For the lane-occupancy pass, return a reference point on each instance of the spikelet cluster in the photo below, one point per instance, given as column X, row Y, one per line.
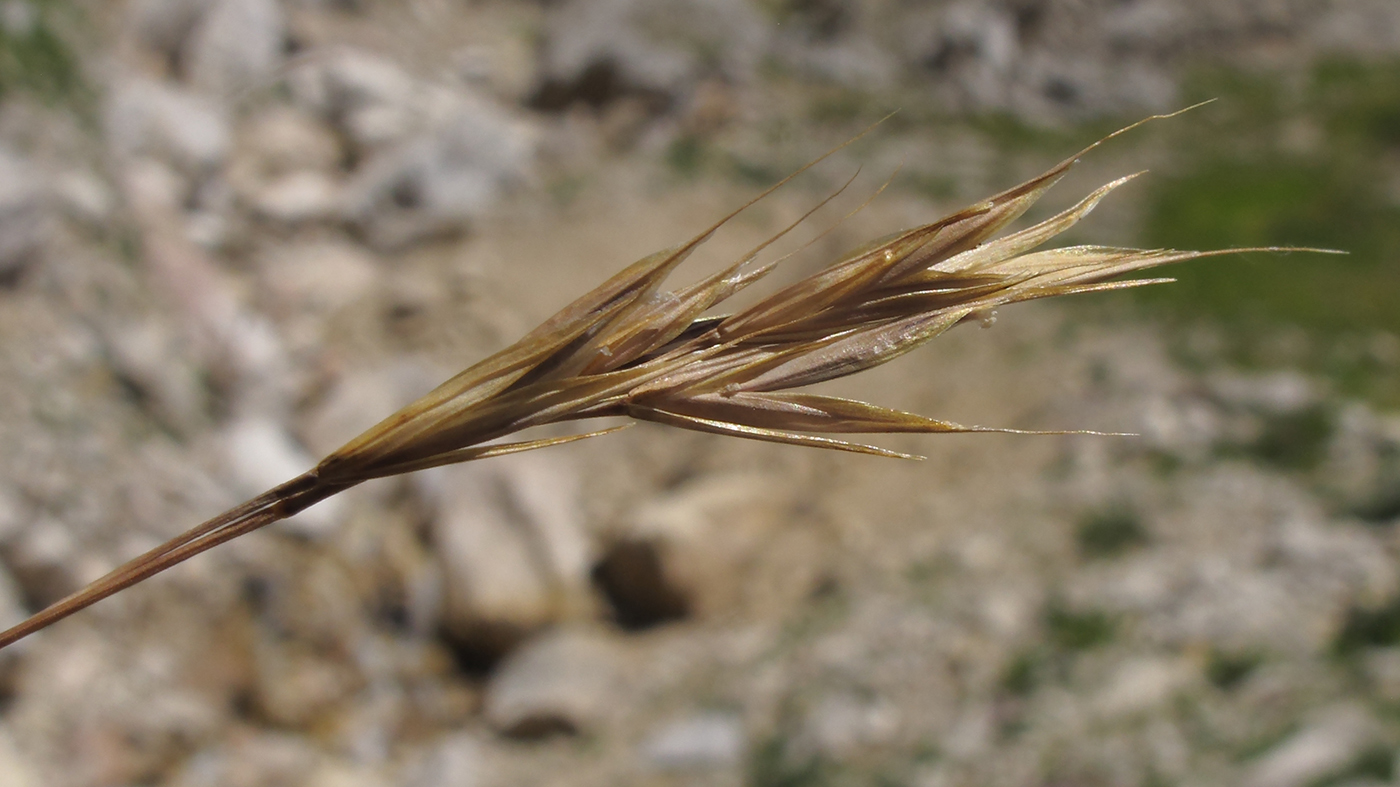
column 633, row 348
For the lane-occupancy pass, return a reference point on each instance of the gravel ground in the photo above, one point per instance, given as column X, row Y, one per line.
column 235, row 233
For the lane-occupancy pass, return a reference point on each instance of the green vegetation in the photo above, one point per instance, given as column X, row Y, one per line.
column 565, row 189
column 773, row 764
column 1110, row 532
column 1067, row 633
column 1282, row 200
column 934, row 187
column 1275, row 162
column 1072, row 630
column 1022, row 674
column 1369, row 628
column 1294, row 440
column 770, row 766
column 35, row 60
column 1382, row 504
column 1228, row 670
column 835, row 104
column 1373, row 765
column 690, row 156
column 1382, row 507
column 686, row 155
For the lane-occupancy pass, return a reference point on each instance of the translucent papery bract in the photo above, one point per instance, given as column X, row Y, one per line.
column 802, row 412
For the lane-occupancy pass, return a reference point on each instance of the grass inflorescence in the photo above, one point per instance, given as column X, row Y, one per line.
column 634, row 349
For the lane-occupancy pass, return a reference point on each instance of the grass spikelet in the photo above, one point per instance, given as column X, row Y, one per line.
column 631, row 348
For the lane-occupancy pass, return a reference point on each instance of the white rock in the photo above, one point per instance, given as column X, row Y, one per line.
column 153, row 185
column 1279, row 392
column 254, row 759
column 319, row 276
column 1185, row 425
column 298, row 197
column 1320, row 749
column 1007, row 612
column 148, row 356
column 149, row 118
column 973, row 732
column 1362, row 468
column 687, row 551
column 841, row 724
column 19, row 18
column 566, row 680
column 373, row 101
column 505, row 67
column 294, row 687
column 164, row 25
column 984, row 56
column 45, row 560
column 1358, row 26
column 436, row 181
column 454, row 761
column 338, row 774
column 12, row 515
column 1146, row 21
column 237, row 45
column 243, row 346
column 85, row 197
column 11, row 605
column 656, row 49
column 710, row 740
column 283, row 139
column 841, row 47
column 546, row 490
column 972, row 47
column 860, row 64
column 206, row 229
column 261, row 454
column 23, row 215
column 511, row 545
column 1268, row 573
column 1344, row 562
column 434, row 155
column 1142, row 684
column 286, row 166
column 1170, row 752
column 15, row 768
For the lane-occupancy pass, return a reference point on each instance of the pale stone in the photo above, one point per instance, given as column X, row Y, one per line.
column 236, row 46
column 564, row 681
column 1315, row 751
column 511, row 543
column 145, row 117
column 456, row 760
column 705, row 741
column 1139, row 685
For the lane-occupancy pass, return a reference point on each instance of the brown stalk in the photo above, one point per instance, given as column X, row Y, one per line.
column 630, row 348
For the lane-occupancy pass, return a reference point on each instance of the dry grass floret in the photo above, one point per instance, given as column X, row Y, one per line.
column 630, row 348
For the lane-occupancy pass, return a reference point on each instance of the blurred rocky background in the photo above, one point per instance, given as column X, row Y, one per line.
column 235, row 233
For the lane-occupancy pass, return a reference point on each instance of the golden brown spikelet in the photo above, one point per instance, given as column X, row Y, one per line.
column 630, row 348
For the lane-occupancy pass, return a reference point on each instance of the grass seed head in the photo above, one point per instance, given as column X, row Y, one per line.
column 632, row 348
